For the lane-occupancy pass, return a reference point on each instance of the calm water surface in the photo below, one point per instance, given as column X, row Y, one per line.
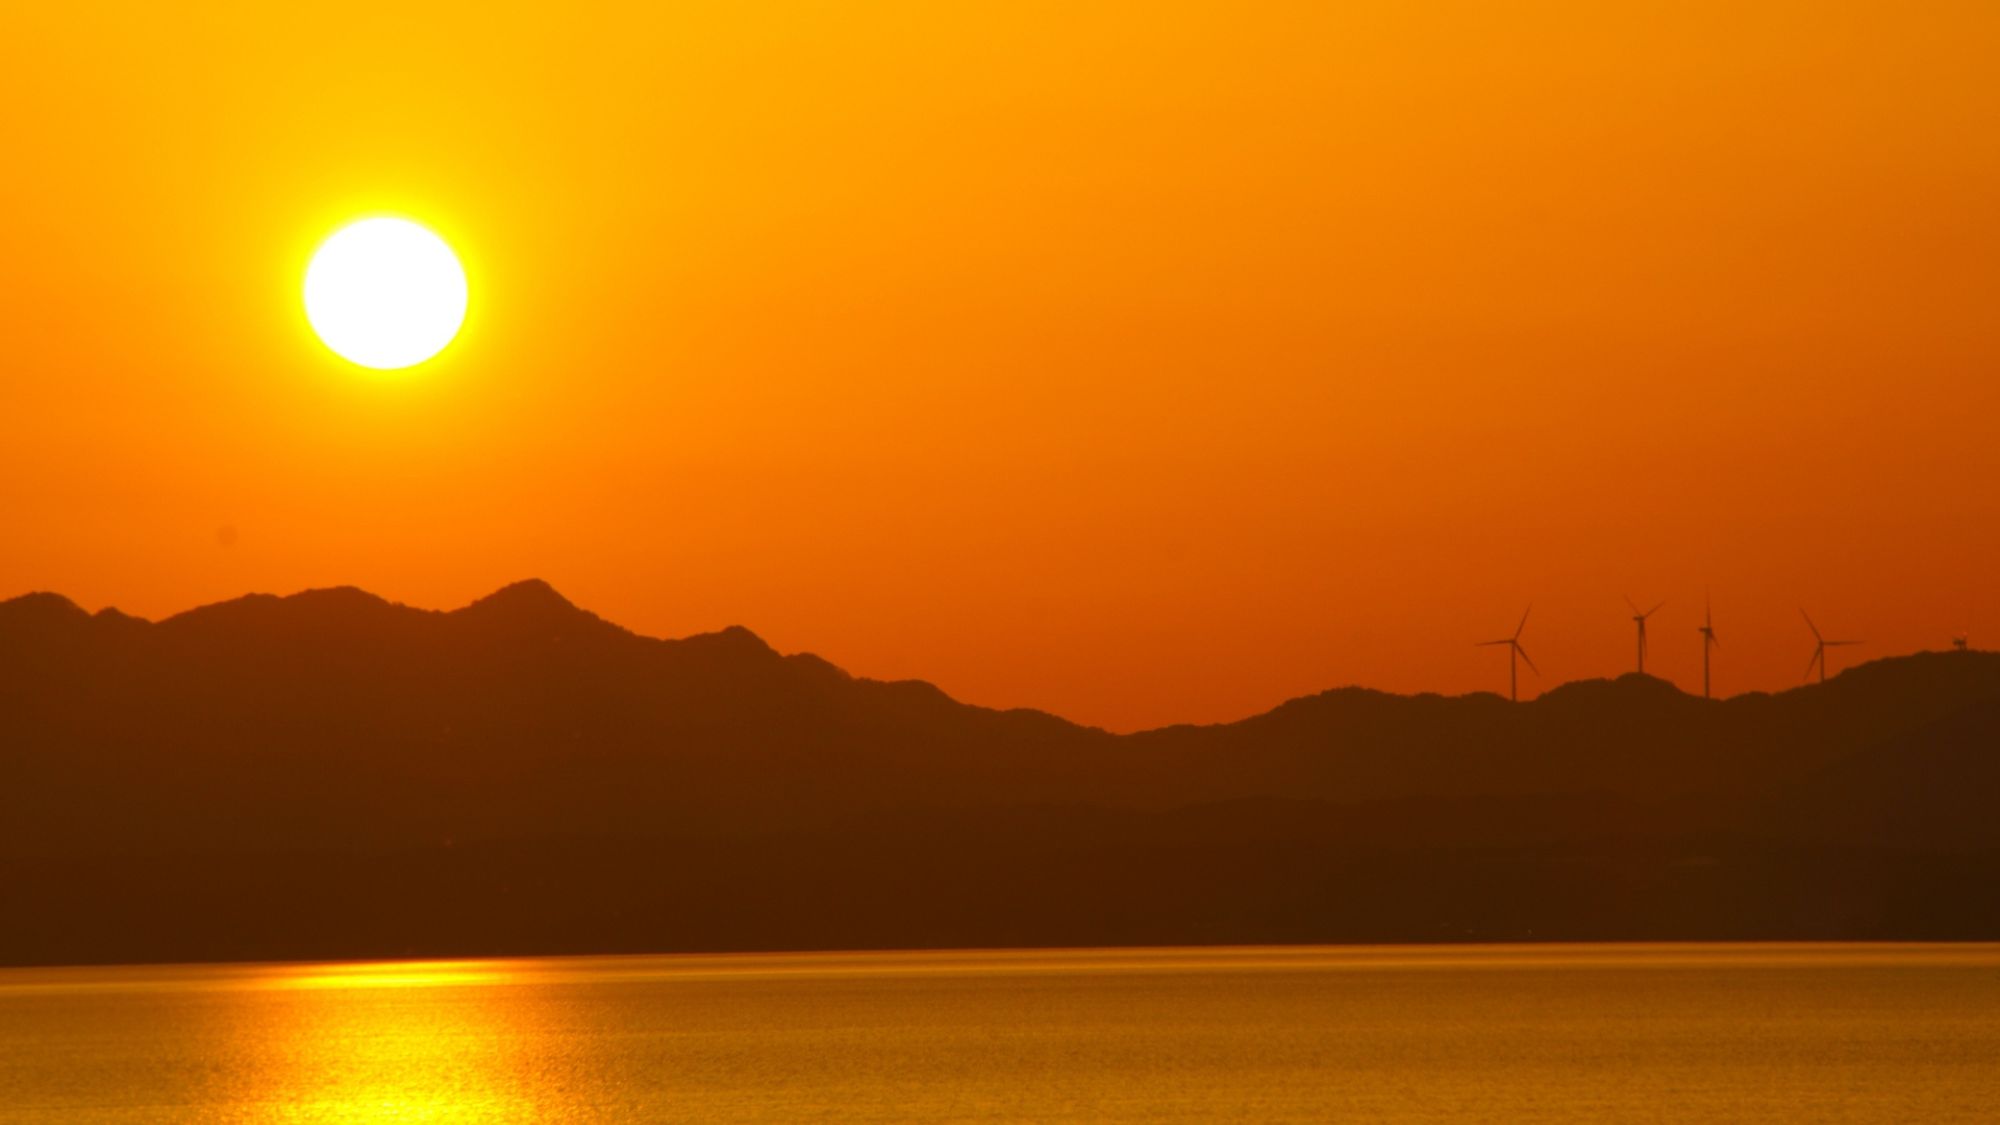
column 1839, row 1033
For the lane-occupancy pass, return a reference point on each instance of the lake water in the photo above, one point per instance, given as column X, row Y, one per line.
column 1668, row 1033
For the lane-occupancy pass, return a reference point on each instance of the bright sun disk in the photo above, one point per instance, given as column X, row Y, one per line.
column 385, row 293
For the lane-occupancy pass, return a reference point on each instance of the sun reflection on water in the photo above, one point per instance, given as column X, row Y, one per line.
column 412, row 1041
column 391, row 974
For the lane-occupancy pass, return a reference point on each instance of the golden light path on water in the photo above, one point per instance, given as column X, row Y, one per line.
column 1862, row 1033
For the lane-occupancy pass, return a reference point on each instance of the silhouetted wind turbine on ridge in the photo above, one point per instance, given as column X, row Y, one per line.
column 1708, row 641
column 1819, row 648
column 1514, row 650
column 1640, row 620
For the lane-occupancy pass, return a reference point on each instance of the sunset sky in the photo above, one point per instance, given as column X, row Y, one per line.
column 1143, row 363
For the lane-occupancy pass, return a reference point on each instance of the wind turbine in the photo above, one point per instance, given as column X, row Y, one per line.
column 1515, row 650
column 1708, row 641
column 1819, row 648
column 1639, row 619
column 1960, row 641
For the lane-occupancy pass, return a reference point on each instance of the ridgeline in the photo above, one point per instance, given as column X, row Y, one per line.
column 331, row 775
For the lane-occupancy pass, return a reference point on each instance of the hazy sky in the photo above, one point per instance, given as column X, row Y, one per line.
column 1143, row 363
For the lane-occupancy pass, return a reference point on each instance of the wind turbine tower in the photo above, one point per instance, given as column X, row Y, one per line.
column 1708, row 641
column 1639, row 619
column 1820, row 645
column 1515, row 652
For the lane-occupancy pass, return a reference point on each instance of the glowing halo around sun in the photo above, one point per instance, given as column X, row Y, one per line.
column 385, row 293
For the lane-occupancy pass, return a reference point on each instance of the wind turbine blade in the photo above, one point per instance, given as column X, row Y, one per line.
column 1525, row 660
column 1713, row 639
column 1656, row 608
column 1632, row 605
column 1812, row 660
column 1810, row 625
column 1831, row 644
column 1501, row 641
column 1524, row 621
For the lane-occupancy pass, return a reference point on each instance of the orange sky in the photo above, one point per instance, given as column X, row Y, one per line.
column 1145, row 365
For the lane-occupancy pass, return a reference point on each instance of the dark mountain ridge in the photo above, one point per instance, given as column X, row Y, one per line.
column 709, row 792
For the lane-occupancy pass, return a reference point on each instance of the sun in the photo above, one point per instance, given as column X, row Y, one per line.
column 385, row 293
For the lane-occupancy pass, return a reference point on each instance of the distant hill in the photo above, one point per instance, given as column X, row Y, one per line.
column 332, row 774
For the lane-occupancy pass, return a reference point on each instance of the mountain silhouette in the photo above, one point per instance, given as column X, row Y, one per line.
column 331, row 774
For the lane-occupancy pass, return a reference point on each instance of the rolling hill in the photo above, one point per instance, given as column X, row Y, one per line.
column 330, row 774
